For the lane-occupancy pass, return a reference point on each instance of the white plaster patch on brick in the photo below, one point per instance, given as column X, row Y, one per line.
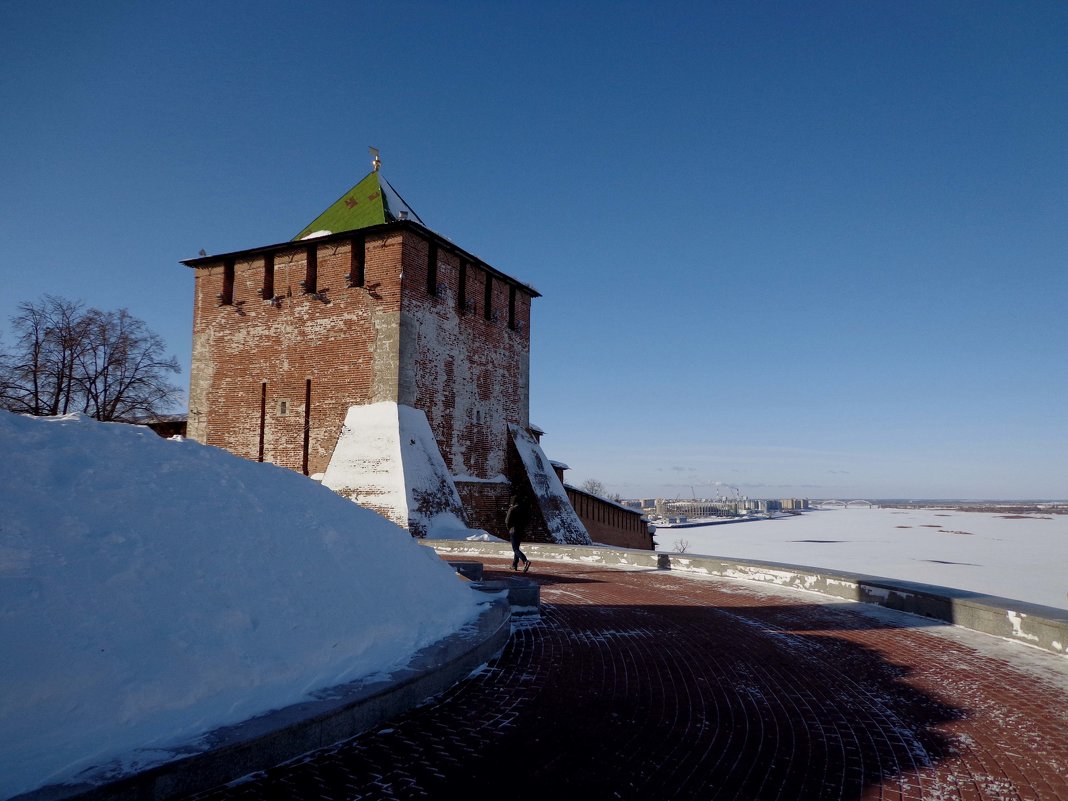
column 200, row 378
column 386, row 349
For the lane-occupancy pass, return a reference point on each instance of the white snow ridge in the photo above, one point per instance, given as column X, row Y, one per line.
column 152, row 590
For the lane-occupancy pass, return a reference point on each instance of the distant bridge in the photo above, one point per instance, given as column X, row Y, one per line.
column 836, row 504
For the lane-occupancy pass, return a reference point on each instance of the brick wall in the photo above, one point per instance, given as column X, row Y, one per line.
column 609, row 523
column 257, row 361
column 258, row 357
column 486, row 504
column 469, row 374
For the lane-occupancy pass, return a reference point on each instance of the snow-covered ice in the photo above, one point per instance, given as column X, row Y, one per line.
column 153, row 590
column 1023, row 558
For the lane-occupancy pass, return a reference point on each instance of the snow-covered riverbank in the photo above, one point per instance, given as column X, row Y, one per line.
column 1025, row 558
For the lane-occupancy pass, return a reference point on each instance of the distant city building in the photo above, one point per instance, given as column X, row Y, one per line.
column 724, row 507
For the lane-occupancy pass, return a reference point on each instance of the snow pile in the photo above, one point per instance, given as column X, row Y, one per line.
column 1023, row 558
column 152, row 590
column 388, row 459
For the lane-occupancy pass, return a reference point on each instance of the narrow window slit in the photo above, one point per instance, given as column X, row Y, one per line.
column 311, row 277
column 461, row 288
column 358, row 265
column 226, row 297
column 263, row 417
column 268, row 277
column 307, row 424
column 432, row 269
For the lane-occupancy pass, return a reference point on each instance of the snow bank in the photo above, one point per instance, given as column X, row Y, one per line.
column 152, row 590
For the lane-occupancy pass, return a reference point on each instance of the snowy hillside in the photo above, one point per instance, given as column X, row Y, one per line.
column 152, row 590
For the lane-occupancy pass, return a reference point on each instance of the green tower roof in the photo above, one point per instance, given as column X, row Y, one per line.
column 371, row 202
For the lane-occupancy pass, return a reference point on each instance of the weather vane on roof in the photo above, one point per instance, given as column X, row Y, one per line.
column 376, row 162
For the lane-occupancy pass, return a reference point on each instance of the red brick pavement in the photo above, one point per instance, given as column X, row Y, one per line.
column 649, row 685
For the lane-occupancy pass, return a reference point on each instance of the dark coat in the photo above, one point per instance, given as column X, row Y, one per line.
column 517, row 516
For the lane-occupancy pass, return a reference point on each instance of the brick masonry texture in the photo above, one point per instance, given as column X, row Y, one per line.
column 469, row 374
column 610, row 524
column 486, row 504
column 648, row 685
column 330, row 339
column 393, row 339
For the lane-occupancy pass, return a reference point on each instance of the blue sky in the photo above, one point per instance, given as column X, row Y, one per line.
column 811, row 249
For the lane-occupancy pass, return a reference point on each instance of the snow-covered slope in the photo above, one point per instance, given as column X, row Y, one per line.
column 152, row 590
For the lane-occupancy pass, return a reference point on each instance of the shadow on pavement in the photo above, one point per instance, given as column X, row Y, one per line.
column 649, row 702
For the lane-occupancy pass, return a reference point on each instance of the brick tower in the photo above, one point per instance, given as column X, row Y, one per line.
column 381, row 358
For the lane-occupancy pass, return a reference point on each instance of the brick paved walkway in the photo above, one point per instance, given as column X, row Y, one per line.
column 647, row 685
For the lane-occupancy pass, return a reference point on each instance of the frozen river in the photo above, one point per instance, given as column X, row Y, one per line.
column 1025, row 558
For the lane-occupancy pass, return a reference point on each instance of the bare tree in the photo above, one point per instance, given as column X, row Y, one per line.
column 596, row 487
column 107, row 364
column 123, row 369
column 39, row 375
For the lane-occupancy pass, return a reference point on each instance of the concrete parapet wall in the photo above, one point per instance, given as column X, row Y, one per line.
column 524, row 595
column 1041, row 626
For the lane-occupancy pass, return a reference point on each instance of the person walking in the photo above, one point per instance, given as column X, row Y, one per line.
column 515, row 521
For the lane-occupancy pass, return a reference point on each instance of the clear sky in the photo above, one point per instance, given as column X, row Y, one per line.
column 802, row 248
